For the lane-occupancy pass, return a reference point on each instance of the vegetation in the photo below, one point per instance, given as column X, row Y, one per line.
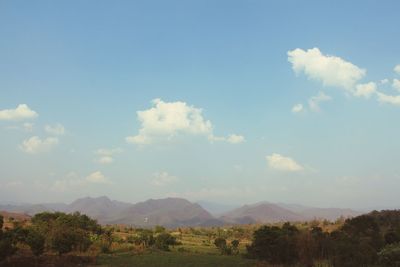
column 371, row 240
column 366, row 240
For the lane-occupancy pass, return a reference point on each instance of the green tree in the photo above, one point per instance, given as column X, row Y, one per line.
column 35, row 241
column 164, row 240
column 235, row 246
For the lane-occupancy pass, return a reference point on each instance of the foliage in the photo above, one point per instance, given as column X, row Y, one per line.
column 64, row 232
column 35, row 240
column 164, row 240
column 389, row 256
column 274, row 244
column 366, row 240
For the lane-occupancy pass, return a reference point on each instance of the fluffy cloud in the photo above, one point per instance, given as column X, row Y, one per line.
column 297, row 108
column 163, row 179
column 365, row 90
column 330, row 70
column 389, row 99
column 97, row 178
column 396, row 84
column 166, row 120
column 384, row 81
column 282, row 163
column 315, row 101
column 35, row 145
column 397, row 69
column 235, row 139
column 106, row 156
column 21, row 112
column 57, row 129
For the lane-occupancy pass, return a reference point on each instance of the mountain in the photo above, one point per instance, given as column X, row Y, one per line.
column 330, row 214
column 176, row 212
column 170, row 212
column 215, row 208
column 25, row 208
column 101, row 208
column 263, row 212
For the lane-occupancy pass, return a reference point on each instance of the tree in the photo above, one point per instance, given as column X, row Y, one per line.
column 389, row 256
column 35, row 241
column 7, row 245
column 106, row 241
column 220, row 242
column 275, row 245
column 164, row 240
column 235, row 246
column 7, row 242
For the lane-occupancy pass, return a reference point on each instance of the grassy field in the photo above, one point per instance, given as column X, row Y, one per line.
column 172, row 259
column 195, row 251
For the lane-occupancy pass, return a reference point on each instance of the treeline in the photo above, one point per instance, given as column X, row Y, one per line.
column 367, row 240
column 61, row 233
column 54, row 232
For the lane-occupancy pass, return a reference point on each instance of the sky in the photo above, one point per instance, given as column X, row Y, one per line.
column 224, row 101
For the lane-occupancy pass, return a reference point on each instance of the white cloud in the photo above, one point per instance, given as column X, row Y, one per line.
column 97, row 178
column 365, row 90
column 235, row 139
column 315, row 101
column 397, row 69
column 330, row 70
column 297, row 108
column 106, row 156
column 384, row 81
column 163, row 179
column 166, row 120
column 57, row 129
column 35, row 145
column 389, row 99
column 396, row 84
column 21, row 112
column 282, row 163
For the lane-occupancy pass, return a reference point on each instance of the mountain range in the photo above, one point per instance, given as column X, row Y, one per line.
column 177, row 212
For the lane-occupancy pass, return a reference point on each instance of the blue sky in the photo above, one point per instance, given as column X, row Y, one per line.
column 242, row 101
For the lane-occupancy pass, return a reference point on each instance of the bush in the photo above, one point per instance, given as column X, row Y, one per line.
column 389, row 256
column 164, row 240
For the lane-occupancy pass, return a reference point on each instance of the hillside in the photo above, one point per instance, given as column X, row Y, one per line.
column 262, row 213
column 171, row 212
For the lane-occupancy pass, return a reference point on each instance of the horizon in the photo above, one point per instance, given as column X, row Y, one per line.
column 228, row 206
column 231, row 102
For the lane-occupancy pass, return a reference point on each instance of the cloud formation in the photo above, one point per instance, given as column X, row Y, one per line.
column 57, row 129
column 21, row 112
column 36, row 145
column 365, row 90
column 396, row 84
column 397, row 69
column 97, row 178
column 314, row 101
column 165, row 120
column 106, row 156
column 297, row 108
column 330, row 70
column 388, row 99
column 282, row 163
